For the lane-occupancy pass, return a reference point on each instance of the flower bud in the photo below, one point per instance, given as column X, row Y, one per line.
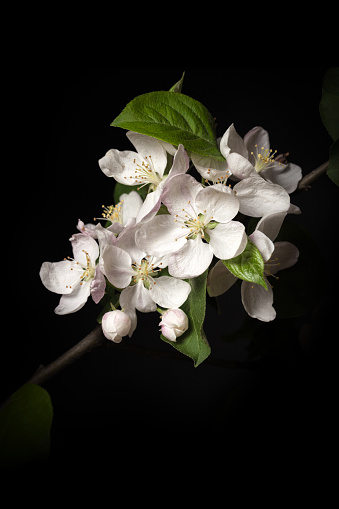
column 115, row 324
column 174, row 323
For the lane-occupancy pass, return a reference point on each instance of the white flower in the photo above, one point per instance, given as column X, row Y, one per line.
column 115, row 325
column 144, row 167
column 258, row 301
column 128, row 267
column 174, row 323
column 258, row 158
column 75, row 278
column 199, row 226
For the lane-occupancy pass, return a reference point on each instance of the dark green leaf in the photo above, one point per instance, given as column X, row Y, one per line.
column 25, row 423
column 329, row 104
column 194, row 343
column 333, row 167
column 172, row 117
column 248, row 266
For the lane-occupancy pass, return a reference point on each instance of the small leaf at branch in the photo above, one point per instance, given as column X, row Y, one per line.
column 248, row 266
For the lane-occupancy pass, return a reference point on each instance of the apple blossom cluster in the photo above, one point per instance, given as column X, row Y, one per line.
column 149, row 250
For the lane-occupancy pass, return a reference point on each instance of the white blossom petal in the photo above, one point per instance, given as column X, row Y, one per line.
column 216, row 204
column 181, row 193
column 219, row 280
column 116, row 264
column 169, row 292
column 82, row 244
column 149, row 147
column 259, row 198
column 228, row 240
column 74, row 301
column 257, row 301
column 285, row 175
column 232, row 142
column 285, row 255
column 131, row 204
column 192, row 259
column 256, row 136
column 57, row 277
column 263, row 243
column 239, row 166
column 161, row 236
column 270, row 224
column 121, row 165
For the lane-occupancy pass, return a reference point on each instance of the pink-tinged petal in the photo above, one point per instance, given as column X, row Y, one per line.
column 219, row 280
column 263, row 243
column 150, row 149
column 192, row 259
column 127, row 304
column 257, row 301
column 232, row 142
column 161, row 236
column 214, row 203
column 98, row 285
column 116, row 264
column 259, row 198
column 74, row 301
column 169, row 292
column 228, row 240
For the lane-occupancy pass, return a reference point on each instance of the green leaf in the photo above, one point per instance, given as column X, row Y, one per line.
column 174, row 118
column 333, row 167
column 329, row 104
column 177, row 87
column 248, row 266
column 25, row 423
column 193, row 342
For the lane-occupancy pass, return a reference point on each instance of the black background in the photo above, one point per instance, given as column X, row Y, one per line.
column 112, row 391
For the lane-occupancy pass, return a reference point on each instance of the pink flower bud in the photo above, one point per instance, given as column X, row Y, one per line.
column 115, row 324
column 174, row 323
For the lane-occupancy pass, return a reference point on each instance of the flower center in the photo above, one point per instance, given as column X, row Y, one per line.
column 146, row 272
column 82, row 273
column 113, row 213
column 145, row 173
column 196, row 223
column 264, row 158
column 269, row 265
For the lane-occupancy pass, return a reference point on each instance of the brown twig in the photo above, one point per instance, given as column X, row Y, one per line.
column 307, row 180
